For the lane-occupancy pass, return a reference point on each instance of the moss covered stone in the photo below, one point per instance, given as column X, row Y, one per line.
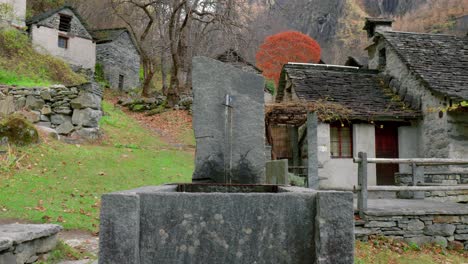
column 18, row 131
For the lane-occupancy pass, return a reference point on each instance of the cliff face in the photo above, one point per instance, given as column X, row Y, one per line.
column 337, row 24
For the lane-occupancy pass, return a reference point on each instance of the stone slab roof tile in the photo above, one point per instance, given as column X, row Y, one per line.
column 364, row 92
column 441, row 61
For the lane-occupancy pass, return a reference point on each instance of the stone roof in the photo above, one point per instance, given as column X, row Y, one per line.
column 38, row 18
column 232, row 57
column 107, row 35
column 440, row 61
column 360, row 62
column 364, row 92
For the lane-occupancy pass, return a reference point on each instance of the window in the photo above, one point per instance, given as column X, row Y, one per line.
column 63, row 42
column 341, row 141
column 65, row 23
column 121, row 82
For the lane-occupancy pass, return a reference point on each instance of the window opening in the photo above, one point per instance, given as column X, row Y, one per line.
column 65, row 23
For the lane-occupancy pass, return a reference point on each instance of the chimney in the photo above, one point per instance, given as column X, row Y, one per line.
column 374, row 25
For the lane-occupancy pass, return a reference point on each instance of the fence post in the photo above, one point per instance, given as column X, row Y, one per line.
column 418, row 177
column 362, row 183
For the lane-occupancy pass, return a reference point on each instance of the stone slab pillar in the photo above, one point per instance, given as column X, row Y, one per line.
column 312, row 173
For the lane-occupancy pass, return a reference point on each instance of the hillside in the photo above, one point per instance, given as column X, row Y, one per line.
column 21, row 65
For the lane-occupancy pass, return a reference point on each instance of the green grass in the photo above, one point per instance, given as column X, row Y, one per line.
column 11, row 78
column 21, row 65
column 61, row 183
column 383, row 251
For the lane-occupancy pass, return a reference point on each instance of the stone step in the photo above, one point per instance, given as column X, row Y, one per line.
column 21, row 243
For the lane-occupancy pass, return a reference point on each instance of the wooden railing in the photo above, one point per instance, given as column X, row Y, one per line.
column 417, row 166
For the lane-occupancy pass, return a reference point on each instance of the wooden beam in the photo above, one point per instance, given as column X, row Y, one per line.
column 425, row 162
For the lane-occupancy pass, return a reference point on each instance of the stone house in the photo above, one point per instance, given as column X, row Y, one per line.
column 410, row 103
column 373, row 121
column 63, row 33
column 233, row 58
column 13, row 11
column 430, row 71
column 119, row 56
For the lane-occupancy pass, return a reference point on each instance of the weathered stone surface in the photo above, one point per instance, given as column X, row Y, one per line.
column 7, row 106
column 5, row 243
column 86, row 100
column 44, row 118
column 380, row 224
column 277, row 172
column 415, row 225
column 439, row 230
column 419, row 240
column 86, row 133
column 334, row 233
column 64, row 110
column 86, row 117
column 65, row 128
column 45, row 94
column 20, row 232
column 31, row 116
column 47, row 130
column 7, row 258
column 34, row 103
column 461, row 237
column 46, row 110
column 160, row 225
column 59, row 119
column 212, row 81
column 446, row 219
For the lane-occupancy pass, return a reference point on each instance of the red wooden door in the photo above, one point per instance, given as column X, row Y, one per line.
column 386, row 146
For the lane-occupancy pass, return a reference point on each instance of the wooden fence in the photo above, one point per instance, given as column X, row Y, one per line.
column 418, row 177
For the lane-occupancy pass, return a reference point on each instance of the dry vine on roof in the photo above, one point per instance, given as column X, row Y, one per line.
column 295, row 113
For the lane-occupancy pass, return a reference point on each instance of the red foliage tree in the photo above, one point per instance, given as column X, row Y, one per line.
column 281, row 48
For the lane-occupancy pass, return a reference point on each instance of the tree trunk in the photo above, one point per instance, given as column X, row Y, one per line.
column 148, row 74
column 164, row 74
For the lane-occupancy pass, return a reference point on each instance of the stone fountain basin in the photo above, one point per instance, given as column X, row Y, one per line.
column 217, row 223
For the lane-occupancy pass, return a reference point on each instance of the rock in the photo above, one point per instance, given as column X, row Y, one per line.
column 34, row 103
column 44, row 118
column 7, row 106
column 31, row 116
column 440, row 230
column 455, row 245
column 419, row 240
column 63, row 110
column 86, row 100
column 86, row 117
column 57, row 119
column 21, row 232
column 380, row 224
column 87, row 134
column 45, row 94
column 415, row 225
column 46, row 110
column 446, row 219
column 65, row 128
column 127, row 102
column 441, row 241
column 463, row 237
column 5, row 243
column 212, row 81
column 18, row 131
column 20, row 103
column 47, row 130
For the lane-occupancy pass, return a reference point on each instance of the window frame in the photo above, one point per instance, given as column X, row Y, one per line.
column 339, row 128
column 67, row 40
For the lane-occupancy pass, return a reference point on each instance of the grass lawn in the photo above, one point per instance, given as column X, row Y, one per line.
column 386, row 251
column 61, row 183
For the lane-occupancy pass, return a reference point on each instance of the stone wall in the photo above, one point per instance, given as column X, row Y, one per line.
column 19, row 12
column 120, row 57
column 446, row 230
column 72, row 111
column 449, row 178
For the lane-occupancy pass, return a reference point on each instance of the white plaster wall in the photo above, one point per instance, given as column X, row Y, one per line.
column 408, row 141
column 80, row 52
column 342, row 173
column 19, row 7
